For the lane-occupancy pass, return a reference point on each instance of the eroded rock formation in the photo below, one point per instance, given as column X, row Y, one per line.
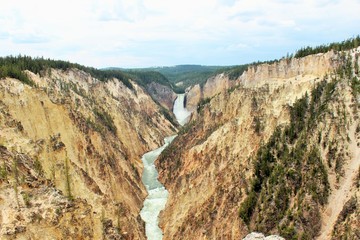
column 70, row 156
column 269, row 154
column 163, row 94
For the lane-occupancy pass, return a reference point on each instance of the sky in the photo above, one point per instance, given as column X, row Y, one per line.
column 145, row 33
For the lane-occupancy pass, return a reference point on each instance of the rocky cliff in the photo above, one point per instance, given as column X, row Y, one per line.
column 71, row 149
column 290, row 68
column 212, row 86
column 163, row 94
column 286, row 69
column 270, row 154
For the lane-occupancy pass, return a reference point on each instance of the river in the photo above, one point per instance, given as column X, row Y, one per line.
column 157, row 194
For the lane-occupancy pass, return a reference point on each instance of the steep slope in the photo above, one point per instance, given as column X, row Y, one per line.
column 266, row 154
column 212, row 86
column 163, row 94
column 158, row 86
column 345, row 195
column 272, row 74
column 70, row 150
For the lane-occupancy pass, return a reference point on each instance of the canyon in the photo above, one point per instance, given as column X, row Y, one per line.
column 71, row 149
column 157, row 194
column 246, row 162
column 275, row 150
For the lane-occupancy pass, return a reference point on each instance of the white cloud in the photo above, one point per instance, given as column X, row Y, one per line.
column 154, row 32
column 234, row 47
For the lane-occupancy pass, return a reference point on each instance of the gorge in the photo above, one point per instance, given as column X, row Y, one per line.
column 274, row 149
column 261, row 155
column 157, row 194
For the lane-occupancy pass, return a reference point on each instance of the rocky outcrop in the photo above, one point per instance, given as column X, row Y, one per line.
column 71, row 156
column 213, row 86
column 348, row 220
column 162, row 94
column 263, row 154
column 260, row 236
column 286, row 69
column 216, row 84
column 193, row 97
column 290, row 68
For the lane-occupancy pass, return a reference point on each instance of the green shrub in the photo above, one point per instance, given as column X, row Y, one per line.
column 3, row 172
column 288, row 166
column 202, row 104
column 337, row 46
column 257, row 125
column 26, row 198
column 68, row 180
column 106, row 119
column 247, row 207
column 37, row 166
column 288, row 232
column 14, row 66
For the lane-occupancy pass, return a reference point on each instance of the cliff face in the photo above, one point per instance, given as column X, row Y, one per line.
column 163, row 94
column 71, row 156
column 314, row 66
column 270, row 154
column 193, row 97
column 213, row 86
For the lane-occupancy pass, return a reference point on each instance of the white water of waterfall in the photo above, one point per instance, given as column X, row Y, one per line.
column 156, row 200
column 181, row 113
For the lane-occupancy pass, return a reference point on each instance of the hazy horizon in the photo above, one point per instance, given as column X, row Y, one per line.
column 155, row 33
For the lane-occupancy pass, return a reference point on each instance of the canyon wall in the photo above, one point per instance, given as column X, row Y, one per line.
column 162, row 94
column 270, row 154
column 213, row 86
column 286, row 69
column 290, row 68
column 70, row 156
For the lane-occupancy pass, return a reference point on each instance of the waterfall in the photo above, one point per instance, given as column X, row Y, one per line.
column 181, row 113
